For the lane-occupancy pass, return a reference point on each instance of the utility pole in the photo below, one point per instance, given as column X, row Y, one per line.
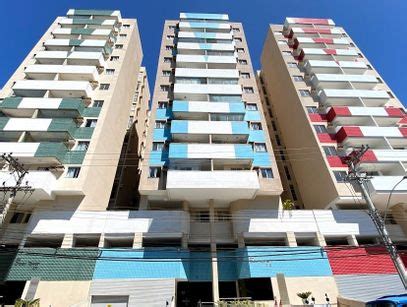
column 353, row 175
column 19, row 171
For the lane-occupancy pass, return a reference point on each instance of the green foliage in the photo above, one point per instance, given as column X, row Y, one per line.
column 288, row 204
column 304, row 295
column 27, row 303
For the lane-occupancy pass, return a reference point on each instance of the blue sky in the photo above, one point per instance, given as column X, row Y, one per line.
column 379, row 27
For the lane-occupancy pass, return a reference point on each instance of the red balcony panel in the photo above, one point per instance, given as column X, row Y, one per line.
column 369, row 156
column 336, row 161
column 301, row 56
column 315, row 117
column 295, row 44
column 323, row 40
column 310, row 21
column 326, row 138
column 403, row 121
column 403, row 132
column 330, row 51
column 337, row 111
column 395, row 112
column 315, row 30
column 348, row 131
column 360, row 260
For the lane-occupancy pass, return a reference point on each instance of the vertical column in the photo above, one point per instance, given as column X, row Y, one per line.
column 214, row 260
column 138, row 240
column 102, row 240
column 290, row 238
column 67, row 242
column 352, row 240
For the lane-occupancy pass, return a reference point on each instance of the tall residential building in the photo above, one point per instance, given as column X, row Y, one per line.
column 64, row 115
column 328, row 101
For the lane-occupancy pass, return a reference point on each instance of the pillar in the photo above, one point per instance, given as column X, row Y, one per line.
column 214, row 259
column 320, row 239
column 352, row 240
column 67, row 242
column 290, row 238
column 138, row 240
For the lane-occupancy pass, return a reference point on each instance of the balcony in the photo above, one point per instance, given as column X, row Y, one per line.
column 314, row 32
column 211, row 62
column 65, row 72
column 197, row 46
column 199, row 131
column 220, row 185
column 340, row 81
column 203, row 16
column 92, row 45
column 357, row 136
column 380, row 187
column 73, row 58
column 334, row 97
column 57, row 88
column 200, row 91
column 326, row 54
column 66, row 33
column 35, row 153
column 319, row 42
column 205, row 35
column 200, row 109
column 97, row 14
column 211, row 151
column 59, row 129
column 50, row 107
column 346, row 116
column 91, row 23
column 42, row 182
column 207, row 73
column 214, row 26
column 334, row 67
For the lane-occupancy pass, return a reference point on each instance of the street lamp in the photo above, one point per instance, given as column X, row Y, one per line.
column 388, row 199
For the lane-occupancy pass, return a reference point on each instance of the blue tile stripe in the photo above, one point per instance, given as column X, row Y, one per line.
column 179, row 126
column 261, row 159
column 158, row 158
column 243, row 151
column 252, row 116
column 178, row 151
column 163, row 114
column 240, row 127
column 257, row 136
column 180, row 106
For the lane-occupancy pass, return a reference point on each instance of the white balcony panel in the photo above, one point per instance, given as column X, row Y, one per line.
column 311, row 32
column 68, row 31
column 207, row 73
column 42, row 182
column 20, row 150
column 384, row 155
column 381, row 186
column 390, row 132
column 232, row 89
column 342, row 96
column 198, row 46
column 337, row 80
column 201, row 25
column 105, row 23
column 203, row 16
column 257, row 222
column 74, row 58
column 92, row 222
column 220, row 185
column 319, row 51
column 351, row 67
column 115, row 15
column 60, row 42
column 308, row 40
column 184, row 59
column 208, row 107
column 368, row 111
column 67, row 72
column 211, row 151
column 27, row 124
column 58, row 88
column 186, row 34
column 207, row 127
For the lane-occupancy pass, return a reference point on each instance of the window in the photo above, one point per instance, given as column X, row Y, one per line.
column 158, row 146
column 114, row 58
column 167, row 60
column 91, row 123
column 162, row 104
column 330, row 151
column 352, row 44
column 165, row 88
column 390, row 94
column 236, row 29
column 123, row 35
column 109, row 71
column 379, row 80
column 251, row 107
column 282, row 156
column 286, row 53
column 240, row 50
column 260, row 147
column 159, row 124
column 126, row 26
column 242, row 62
column 293, row 194
column 248, row 90
column 266, row 173
column 369, row 67
column 245, row 75
column 292, row 64
column 237, row 39
column 344, row 35
column 73, row 172
column 172, row 27
column 118, row 46
column 130, row 122
column 166, row 73
column 282, row 42
column 155, row 172
column 340, row 176
column 273, row 124
column 201, row 216
column 20, row 218
column 320, row 129
column 298, row 78
column 270, row 113
column 278, row 141
column 104, row 86
column 169, row 48
column 82, row 146
column 360, row 55
column 312, row 110
column 305, row 93
column 169, row 37
column 98, row 103
column 255, row 126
